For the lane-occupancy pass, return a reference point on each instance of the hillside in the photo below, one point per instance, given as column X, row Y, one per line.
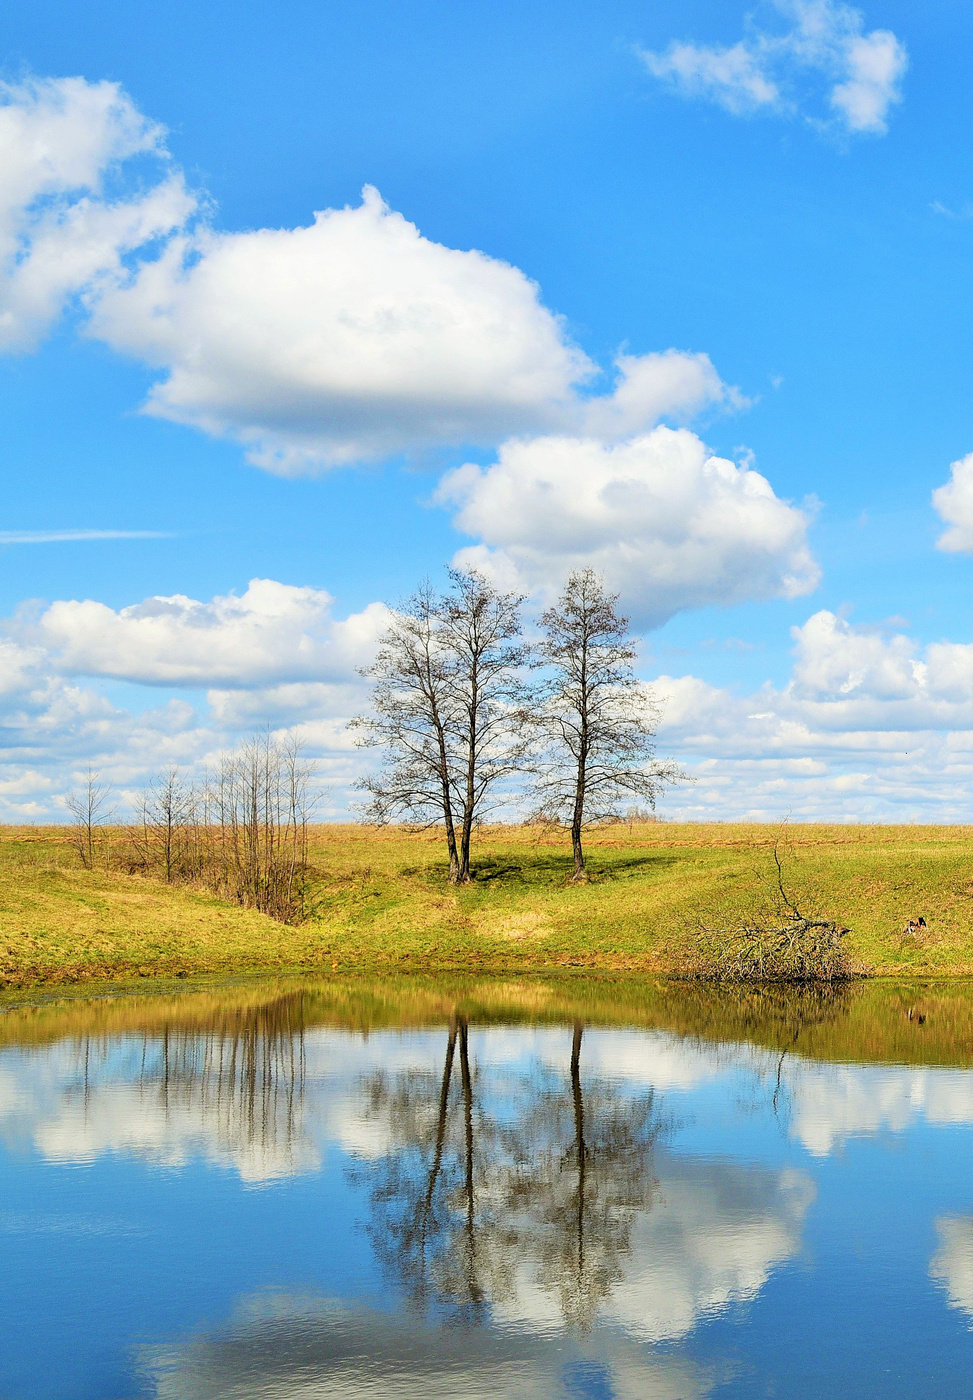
column 381, row 902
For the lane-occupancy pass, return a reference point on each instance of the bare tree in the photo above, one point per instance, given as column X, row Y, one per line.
column 413, row 718
column 598, row 720
column 448, row 708
column 88, row 806
column 166, row 813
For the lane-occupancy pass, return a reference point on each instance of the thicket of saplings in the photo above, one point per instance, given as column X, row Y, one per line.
column 240, row 832
column 468, row 715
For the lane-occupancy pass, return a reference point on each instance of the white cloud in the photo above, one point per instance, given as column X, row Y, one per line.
column 272, row 633
column 876, row 63
column 76, row 536
column 861, row 72
column 51, row 729
column 357, row 338
column 734, row 77
column 62, row 232
column 670, row 525
column 354, row 338
column 869, row 726
column 241, row 648
column 675, row 384
column 954, row 503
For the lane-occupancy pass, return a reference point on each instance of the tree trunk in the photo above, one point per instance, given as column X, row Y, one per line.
column 577, row 817
column 580, row 874
column 454, row 865
column 469, row 802
column 581, row 785
column 463, row 876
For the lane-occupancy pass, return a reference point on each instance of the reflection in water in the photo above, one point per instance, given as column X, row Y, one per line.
column 233, row 1093
column 487, row 1205
column 247, row 1075
column 952, row 1264
column 293, row 1347
column 548, row 1199
column 552, row 1170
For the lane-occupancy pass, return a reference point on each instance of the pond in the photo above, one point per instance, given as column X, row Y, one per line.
column 294, row 1189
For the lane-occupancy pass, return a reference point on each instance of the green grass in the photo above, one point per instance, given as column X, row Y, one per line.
column 382, row 903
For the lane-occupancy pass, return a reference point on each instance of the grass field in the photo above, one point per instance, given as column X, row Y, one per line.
column 382, row 903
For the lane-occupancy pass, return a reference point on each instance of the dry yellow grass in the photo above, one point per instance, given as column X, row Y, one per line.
column 382, row 902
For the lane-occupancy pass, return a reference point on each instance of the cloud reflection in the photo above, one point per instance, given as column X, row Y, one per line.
column 289, row 1347
column 952, row 1264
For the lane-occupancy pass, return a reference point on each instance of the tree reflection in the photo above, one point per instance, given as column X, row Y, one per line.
column 248, row 1071
column 488, row 1192
column 241, row 1079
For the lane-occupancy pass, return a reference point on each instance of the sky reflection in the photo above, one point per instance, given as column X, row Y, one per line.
column 269, row 1206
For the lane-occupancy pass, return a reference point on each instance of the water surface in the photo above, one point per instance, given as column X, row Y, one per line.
column 291, row 1190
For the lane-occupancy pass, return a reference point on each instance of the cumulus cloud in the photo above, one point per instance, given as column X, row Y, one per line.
column 861, row 72
column 870, row 725
column 670, row 525
column 51, row 730
column 58, row 713
column 354, row 338
column 357, row 338
column 62, row 229
column 271, row 633
column 954, row 503
column 675, row 384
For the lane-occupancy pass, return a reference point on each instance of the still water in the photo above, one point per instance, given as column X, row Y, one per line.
column 296, row 1190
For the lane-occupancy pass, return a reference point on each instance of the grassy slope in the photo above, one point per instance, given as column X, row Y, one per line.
column 382, row 902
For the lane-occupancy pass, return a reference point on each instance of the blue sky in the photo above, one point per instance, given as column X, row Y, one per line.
column 784, row 189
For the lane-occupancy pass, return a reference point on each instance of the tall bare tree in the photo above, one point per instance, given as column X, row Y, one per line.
column 88, row 806
column 448, row 709
column 597, row 718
